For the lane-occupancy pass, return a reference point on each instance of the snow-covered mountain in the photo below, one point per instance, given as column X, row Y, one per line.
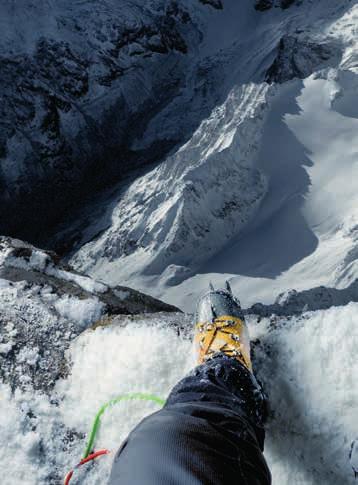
column 161, row 145
column 66, row 348
column 210, row 102
column 264, row 190
column 80, row 80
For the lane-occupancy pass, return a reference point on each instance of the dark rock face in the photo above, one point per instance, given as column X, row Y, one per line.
column 287, row 3
column 298, row 58
column 214, row 3
column 262, row 5
column 66, row 124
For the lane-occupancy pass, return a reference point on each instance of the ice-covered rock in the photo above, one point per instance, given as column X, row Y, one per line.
column 298, row 57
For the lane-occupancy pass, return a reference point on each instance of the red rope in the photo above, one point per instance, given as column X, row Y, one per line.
column 90, row 457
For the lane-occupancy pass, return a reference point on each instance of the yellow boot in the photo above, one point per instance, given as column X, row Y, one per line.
column 220, row 328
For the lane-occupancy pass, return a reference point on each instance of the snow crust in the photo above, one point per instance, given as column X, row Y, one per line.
column 309, row 366
column 307, row 363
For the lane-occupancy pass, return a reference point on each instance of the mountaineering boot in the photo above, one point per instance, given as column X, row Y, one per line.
column 220, row 327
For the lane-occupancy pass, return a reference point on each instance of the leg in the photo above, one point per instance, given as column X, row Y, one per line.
column 209, row 432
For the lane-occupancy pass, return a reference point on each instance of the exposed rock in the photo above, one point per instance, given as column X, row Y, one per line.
column 44, row 305
column 66, row 130
column 298, row 58
column 182, row 322
column 295, row 302
column 263, row 4
column 287, row 3
column 267, row 4
column 214, row 3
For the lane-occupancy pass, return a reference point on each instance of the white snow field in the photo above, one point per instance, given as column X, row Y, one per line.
column 308, row 364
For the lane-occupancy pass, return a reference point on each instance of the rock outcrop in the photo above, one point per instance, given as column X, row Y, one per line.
column 44, row 305
column 214, row 3
column 298, row 57
column 293, row 302
column 74, row 100
column 263, row 5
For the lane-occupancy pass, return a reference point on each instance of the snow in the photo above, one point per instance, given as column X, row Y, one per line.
column 304, row 230
column 109, row 358
column 310, row 377
column 42, row 262
column 5, row 348
column 307, row 363
column 194, row 179
column 16, row 457
column 38, row 260
column 28, row 356
column 83, row 312
column 261, row 192
column 88, row 284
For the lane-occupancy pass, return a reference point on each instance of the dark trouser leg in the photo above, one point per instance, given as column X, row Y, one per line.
column 209, row 432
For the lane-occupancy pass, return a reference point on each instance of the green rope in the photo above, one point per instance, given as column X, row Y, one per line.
column 124, row 397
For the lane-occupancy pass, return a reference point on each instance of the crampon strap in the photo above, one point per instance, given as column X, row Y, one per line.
column 89, row 454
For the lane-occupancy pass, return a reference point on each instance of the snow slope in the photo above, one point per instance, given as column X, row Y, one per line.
column 313, row 400
column 66, row 347
column 305, row 232
column 263, row 193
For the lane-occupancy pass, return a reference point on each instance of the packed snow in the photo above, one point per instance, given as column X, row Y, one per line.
column 307, row 363
column 82, row 311
column 309, row 368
